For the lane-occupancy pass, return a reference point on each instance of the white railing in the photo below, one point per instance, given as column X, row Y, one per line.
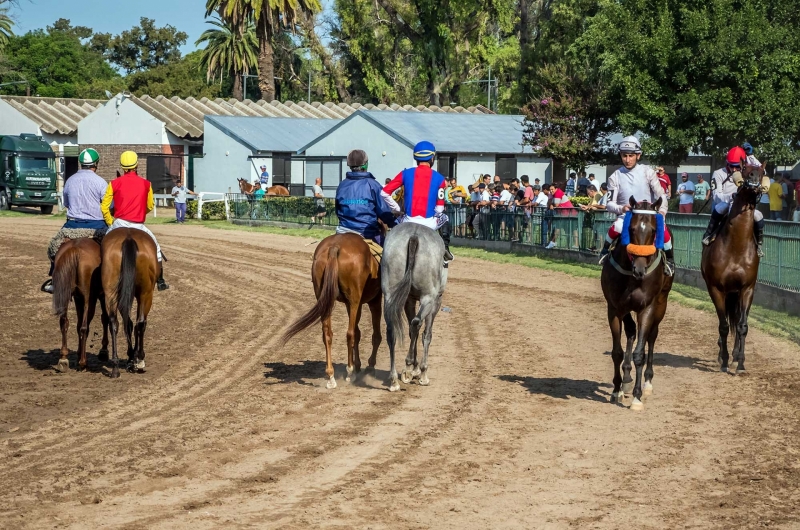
column 202, row 198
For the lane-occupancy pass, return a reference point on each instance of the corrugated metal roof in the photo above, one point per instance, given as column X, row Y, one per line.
column 273, row 134
column 184, row 117
column 54, row 115
column 454, row 133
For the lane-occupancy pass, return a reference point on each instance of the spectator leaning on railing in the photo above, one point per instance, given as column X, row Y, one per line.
column 686, row 194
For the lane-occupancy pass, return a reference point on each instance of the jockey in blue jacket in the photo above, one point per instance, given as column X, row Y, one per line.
column 358, row 201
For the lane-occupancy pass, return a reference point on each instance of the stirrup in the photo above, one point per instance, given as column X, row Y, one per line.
column 707, row 240
column 47, row 286
column 161, row 284
column 669, row 268
column 759, row 251
column 603, row 258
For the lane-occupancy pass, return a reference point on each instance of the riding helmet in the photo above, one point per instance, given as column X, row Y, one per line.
column 88, row 157
column 424, row 151
column 735, row 156
column 630, row 144
column 128, row 160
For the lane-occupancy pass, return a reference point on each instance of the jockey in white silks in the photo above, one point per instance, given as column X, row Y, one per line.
column 423, row 195
column 640, row 182
column 725, row 184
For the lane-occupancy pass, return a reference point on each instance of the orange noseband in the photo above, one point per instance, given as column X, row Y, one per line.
column 641, row 250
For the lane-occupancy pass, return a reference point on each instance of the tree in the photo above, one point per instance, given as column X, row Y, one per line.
column 5, row 25
column 270, row 17
column 700, row 76
column 228, row 51
column 183, row 78
column 142, row 47
column 58, row 64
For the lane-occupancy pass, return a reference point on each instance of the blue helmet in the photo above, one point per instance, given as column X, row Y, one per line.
column 747, row 148
column 424, row 151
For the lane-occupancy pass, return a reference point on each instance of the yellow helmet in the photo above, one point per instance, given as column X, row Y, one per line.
column 128, row 160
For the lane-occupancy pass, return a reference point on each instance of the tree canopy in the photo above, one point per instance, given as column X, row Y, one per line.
column 142, row 47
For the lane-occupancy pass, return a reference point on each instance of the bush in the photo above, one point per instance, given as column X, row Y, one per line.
column 213, row 210
column 191, row 209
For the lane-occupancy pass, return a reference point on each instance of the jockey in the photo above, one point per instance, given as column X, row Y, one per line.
column 423, row 197
column 82, row 194
column 638, row 181
column 359, row 204
column 133, row 200
column 725, row 183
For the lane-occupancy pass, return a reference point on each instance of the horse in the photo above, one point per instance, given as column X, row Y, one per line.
column 729, row 266
column 129, row 270
column 345, row 270
column 633, row 280
column 412, row 271
column 76, row 276
column 250, row 189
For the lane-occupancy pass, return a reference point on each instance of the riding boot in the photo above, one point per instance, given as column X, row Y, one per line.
column 713, row 224
column 669, row 269
column 604, row 252
column 47, row 286
column 444, row 231
column 160, row 283
column 758, row 229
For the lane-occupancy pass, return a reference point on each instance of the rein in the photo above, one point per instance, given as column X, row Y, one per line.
column 647, row 271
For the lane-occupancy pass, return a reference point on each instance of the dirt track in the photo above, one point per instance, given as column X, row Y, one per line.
column 226, row 429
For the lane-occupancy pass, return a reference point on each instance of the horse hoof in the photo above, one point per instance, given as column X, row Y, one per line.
column 647, row 389
column 637, row 405
column 62, row 366
column 416, row 372
column 617, row 397
column 115, row 373
column 369, row 370
column 102, row 355
column 394, row 386
column 406, row 377
column 424, row 381
column 740, row 371
column 627, row 388
column 331, row 383
column 723, row 369
column 81, row 367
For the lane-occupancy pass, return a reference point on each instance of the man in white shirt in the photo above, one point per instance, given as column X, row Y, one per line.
column 540, row 198
column 179, row 191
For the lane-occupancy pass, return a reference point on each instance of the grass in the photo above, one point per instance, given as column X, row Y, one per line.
column 17, row 213
column 774, row 323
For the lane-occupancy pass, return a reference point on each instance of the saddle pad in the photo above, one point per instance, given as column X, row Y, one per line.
column 72, row 233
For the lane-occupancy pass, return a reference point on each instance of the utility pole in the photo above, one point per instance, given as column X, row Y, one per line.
column 309, row 86
column 244, row 78
column 489, row 91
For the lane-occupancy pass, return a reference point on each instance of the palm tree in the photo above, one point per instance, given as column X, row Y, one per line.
column 229, row 50
column 5, row 26
column 269, row 16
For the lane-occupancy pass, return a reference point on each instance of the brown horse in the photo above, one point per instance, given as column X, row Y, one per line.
column 344, row 270
column 129, row 270
column 250, row 189
column 730, row 268
column 633, row 280
column 76, row 276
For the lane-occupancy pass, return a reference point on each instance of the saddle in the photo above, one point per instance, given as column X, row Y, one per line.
column 375, row 249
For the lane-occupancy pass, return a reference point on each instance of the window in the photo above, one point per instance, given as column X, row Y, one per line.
column 506, row 167
column 446, row 164
column 27, row 164
column 329, row 170
column 282, row 170
column 163, row 171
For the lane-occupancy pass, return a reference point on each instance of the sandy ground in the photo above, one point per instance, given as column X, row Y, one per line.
column 227, row 429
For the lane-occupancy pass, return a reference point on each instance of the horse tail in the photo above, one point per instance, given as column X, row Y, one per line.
column 64, row 280
column 328, row 293
column 126, row 284
column 732, row 309
column 396, row 303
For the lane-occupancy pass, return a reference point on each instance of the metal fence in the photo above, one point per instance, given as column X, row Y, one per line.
column 570, row 229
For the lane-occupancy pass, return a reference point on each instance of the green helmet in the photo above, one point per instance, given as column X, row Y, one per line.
column 88, row 157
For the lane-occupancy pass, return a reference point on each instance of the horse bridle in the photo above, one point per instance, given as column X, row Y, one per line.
column 652, row 266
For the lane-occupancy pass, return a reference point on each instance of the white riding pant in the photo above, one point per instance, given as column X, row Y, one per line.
column 434, row 223
column 616, row 229
column 121, row 223
column 725, row 207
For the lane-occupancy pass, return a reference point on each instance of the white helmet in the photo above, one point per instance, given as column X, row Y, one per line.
column 630, row 144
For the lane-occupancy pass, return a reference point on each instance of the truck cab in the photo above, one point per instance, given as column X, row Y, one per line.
column 27, row 173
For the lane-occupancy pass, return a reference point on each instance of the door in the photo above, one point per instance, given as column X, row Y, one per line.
column 163, row 172
column 282, row 170
column 446, row 165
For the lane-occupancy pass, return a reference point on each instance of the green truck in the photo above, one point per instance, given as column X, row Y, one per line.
column 28, row 174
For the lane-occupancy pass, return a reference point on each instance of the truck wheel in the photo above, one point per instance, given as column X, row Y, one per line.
column 5, row 201
column 47, row 210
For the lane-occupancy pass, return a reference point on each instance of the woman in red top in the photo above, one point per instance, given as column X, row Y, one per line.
column 664, row 180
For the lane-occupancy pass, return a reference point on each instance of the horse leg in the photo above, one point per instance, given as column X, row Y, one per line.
column 375, row 310
column 354, row 314
column 143, row 308
column 427, row 335
column 63, row 321
column 114, row 325
column 102, row 355
column 413, row 334
column 129, row 335
column 630, row 334
column 616, row 354
column 83, row 330
column 647, row 389
column 394, row 384
column 745, row 300
column 327, row 339
column 718, row 298
column 645, row 319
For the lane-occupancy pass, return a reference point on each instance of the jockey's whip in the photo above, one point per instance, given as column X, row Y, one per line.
column 704, row 206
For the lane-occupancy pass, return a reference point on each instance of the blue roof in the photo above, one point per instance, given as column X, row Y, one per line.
column 452, row 133
column 272, row 134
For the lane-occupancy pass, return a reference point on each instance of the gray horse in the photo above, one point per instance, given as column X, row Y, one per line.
column 412, row 271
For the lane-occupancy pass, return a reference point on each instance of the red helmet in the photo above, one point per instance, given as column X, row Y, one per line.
column 735, row 156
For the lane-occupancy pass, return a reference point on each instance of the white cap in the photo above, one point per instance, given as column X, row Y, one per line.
column 629, row 144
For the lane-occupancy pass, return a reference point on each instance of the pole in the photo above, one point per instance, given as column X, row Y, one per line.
column 244, row 92
column 309, row 86
column 489, row 91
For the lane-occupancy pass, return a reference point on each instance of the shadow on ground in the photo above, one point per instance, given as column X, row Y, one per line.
column 312, row 372
column 682, row 361
column 561, row 387
column 47, row 360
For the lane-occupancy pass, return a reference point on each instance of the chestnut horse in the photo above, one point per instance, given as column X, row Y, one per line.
column 76, row 276
column 129, row 270
column 345, row 270
column 633, row 280
column 730, row 268
column 273, row 191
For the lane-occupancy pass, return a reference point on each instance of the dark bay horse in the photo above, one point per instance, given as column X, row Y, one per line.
column 345, row 270
column 730, row 268
column 634, row 281
column 273, row 191
column 412, row 271
column 76, row 276
column 129, row 271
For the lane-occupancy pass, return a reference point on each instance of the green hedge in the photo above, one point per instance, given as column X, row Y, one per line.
column 211, row 210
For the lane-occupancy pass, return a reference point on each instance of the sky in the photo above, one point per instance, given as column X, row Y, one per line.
column 116, row 16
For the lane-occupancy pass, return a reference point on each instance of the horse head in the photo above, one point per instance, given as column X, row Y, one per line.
column 750, row 190
column 242, row 185
column 643, row 229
